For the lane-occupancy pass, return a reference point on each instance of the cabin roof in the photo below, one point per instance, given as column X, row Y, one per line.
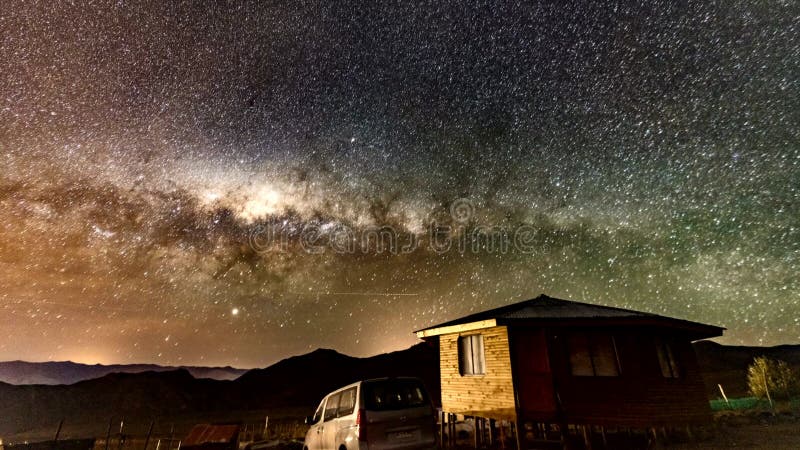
column 544, row 308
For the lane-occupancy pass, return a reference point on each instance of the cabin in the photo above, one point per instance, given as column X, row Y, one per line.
column 549, row 364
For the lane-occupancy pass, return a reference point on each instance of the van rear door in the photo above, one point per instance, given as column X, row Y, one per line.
column 398, row 414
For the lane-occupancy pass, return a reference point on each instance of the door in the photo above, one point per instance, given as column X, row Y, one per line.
column 397, row 415
column 329, row 424
column 533, row 378
column 314, row 436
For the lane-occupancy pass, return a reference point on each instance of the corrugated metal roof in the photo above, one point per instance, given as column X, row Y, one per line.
column 547, row 308
column 544, row 307
column 205, row 433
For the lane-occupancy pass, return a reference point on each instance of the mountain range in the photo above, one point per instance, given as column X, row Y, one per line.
column 68, row 372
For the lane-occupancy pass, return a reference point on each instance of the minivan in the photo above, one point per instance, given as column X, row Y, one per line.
column 378, row 414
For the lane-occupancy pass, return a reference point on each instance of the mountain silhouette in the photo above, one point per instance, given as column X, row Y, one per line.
column 68, row 372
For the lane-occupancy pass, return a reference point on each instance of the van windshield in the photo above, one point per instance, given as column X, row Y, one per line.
column 394, row 394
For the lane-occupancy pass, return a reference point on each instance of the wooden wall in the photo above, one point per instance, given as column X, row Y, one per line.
column 532, row 375
column 640, row 396
column 490, row 395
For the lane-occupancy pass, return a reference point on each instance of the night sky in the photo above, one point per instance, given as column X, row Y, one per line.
column 216, row 183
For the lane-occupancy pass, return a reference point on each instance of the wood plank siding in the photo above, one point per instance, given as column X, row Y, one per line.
column 489, row 395
column 640, row 395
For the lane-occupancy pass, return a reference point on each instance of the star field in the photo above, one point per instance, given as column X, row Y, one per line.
column 196, row 182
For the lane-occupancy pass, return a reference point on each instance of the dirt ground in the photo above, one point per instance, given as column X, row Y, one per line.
column 760, row 432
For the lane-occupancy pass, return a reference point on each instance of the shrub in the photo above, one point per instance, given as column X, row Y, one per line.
column 780, row 378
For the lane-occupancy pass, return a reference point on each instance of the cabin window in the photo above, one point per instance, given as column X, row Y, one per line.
column 471, row 360
column 593, row 355
column 666, row 359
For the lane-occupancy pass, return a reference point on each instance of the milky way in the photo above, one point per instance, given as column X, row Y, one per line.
column 236, row 182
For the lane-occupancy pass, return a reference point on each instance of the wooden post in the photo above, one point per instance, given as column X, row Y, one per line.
column 58, row 431
column 491, row 432
column 654, row 433
column 441, row 429
column 171, row 436
column 149, row 432
column 587, row 437
column 452, row 426
column 121, row 440
column 563, row 428
column 766, row 388
column 722, row 391
column 447, row 434
column 517, row 436
column 475, row 431
column 108, row 431
column 449, row 430
column 264, row 436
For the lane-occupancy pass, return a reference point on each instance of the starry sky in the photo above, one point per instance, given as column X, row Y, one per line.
column 234, row 182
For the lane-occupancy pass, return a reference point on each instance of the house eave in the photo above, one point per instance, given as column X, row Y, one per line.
column 459, row 328
column 694, row 330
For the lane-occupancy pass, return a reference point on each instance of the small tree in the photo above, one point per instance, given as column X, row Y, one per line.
column 780, row 378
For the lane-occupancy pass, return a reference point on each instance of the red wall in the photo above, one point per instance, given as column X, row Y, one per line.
column 641, row 396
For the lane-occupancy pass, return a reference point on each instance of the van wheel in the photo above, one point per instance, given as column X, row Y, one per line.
column 342, row 447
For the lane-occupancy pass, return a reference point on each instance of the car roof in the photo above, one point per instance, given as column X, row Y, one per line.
column 370, row 380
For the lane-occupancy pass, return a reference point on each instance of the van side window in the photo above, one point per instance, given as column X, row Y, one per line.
column 318, row 413
column 394, row 394
column 331, row 406
column 347, row 403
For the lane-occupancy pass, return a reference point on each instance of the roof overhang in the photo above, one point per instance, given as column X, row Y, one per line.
column 693, row 330
column 460, row 328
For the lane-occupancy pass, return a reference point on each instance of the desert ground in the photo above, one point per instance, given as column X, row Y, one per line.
column 761, row 431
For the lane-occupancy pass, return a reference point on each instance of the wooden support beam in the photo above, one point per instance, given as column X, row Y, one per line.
column 58, row 431
column 517, row 434
column 442, row 422
column 475, row 432
column 149, row 433
column 456, row 328
column 587, row 437
column 108, row 431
